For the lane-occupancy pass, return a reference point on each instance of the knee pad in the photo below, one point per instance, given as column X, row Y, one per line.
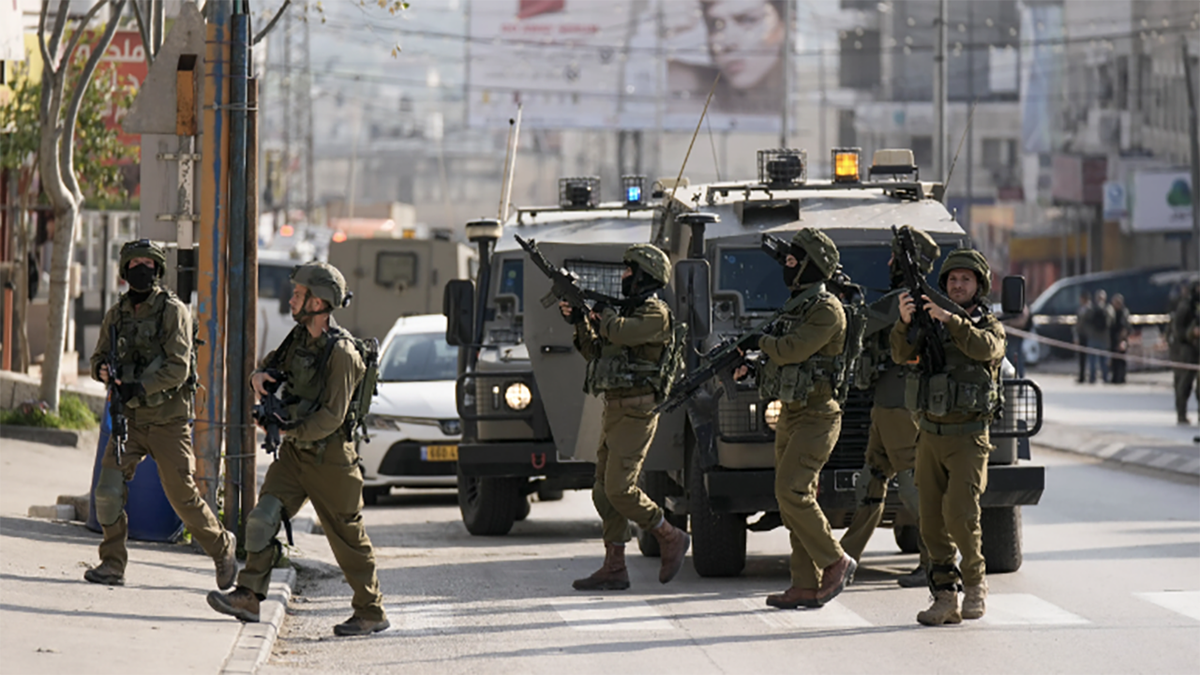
column 110, row 496
column 908, row 491
column 263, row 523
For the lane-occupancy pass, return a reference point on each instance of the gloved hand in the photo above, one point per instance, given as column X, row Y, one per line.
column 750, row 343
column 130, row 391
column 600, row 306
column 574, row 316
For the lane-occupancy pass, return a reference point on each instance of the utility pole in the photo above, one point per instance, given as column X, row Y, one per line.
column 1194, row 143
column 787, row 75
column 967, row 224
column 297, row 116
column 939, row 96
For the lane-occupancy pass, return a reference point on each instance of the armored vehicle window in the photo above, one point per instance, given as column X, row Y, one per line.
column 755, row 275
column 868, row 267
column 597, row 276
column 395, row 268
column 512, row 281
column 273, row 281
column 420, row 357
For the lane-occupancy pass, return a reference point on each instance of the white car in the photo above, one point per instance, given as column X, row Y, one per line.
column 413, row 424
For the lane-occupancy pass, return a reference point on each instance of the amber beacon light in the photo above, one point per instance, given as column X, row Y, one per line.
column 845, row 165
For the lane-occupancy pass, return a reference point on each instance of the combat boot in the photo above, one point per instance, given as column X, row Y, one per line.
column 795, row 597
column 673, row 543
column 356, row 625
column 914, row 579
column 943, row 610
column 240, row 603
column 835, row 578
column 975, row 601
column 612, row 575
column 227, row 566
column 106, row 574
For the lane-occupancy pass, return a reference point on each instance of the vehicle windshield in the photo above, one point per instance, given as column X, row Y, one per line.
column 512, row 280
column 757, row 276
column 418, row 357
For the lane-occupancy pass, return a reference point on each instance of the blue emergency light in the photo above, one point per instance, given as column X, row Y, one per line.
column 633, row 189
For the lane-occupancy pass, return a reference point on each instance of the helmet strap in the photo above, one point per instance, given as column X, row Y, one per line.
column 304, row 314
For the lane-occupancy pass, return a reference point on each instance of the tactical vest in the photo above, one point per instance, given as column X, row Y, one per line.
column 304, row 363
column 964, row 386
column 794, row 382
column 621, row 367
column 141, row 353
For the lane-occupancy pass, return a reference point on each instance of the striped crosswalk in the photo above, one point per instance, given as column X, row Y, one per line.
column 1186, row 603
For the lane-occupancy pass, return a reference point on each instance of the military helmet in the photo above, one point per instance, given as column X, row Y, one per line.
column 651, row 260
column 820, row 250
column 967, row 259
column 323, row 281
column 143, row 248
column 927, row 249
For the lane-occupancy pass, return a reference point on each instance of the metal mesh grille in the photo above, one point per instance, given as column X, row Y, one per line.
column 851, row 449
column 597, row 276
column 739, row 421
column 1022, row 414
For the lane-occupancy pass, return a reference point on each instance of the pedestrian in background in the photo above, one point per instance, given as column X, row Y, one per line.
column 1081, row 317
column 1097, row 329
column 1183, row 336
column 1120, row 337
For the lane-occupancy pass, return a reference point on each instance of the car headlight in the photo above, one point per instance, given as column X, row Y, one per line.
column 771, row 414
column 517, row 396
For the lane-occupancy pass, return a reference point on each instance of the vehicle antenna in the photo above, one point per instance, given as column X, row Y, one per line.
column 695, row 133
column 510, row 164
column 971, row 116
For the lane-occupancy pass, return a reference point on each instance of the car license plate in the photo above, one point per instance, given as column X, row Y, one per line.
column 844, row 479
column 439, row 453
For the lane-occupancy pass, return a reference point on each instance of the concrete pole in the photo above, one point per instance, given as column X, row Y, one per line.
column 1194, row 143
column 939, row 97
column 784, row 114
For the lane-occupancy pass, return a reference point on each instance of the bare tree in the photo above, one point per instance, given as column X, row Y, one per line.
column 56, row 157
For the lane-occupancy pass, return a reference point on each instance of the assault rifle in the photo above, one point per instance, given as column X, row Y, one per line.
column 727, row 355
column 925, row 332
column 270, row 411
column 565, row 285
column 116, row 407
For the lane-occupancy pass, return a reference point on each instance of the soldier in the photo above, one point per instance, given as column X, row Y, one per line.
column 802, row 371
column 321, row 370
column 892, row 440
column 1184, row 337
column 156, row 382
column 626, row 350
column 955, row 407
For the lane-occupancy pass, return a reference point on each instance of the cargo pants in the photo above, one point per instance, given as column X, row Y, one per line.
column 804, row 439
column 951, row 475
column 891, row 452
column 331, row 478
column 628, row 429
column 170, row 444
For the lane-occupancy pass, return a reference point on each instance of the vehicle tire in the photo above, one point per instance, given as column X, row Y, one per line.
column 488, row 505
column 371, row 495
column 658, row 485
column 908, row 538
column 523, row 507
column 546, row 494
column 1001, row 527
column 718, row 539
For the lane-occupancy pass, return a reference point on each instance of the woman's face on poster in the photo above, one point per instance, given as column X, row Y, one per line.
column 744, row 38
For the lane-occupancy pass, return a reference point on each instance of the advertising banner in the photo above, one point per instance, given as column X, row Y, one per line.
column 580, row 64
column 1162, row 201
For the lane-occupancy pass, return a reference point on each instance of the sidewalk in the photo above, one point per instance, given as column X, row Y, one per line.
column 1133, row 423
column 52, row 621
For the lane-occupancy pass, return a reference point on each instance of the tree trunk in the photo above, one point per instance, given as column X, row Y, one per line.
column 65, row 223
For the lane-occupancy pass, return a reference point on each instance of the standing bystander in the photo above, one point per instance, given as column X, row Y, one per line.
column 1120, row 338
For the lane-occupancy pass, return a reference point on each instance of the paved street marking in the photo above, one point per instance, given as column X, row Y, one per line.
column 832, row 615
column 1186, row 603
column 593, row 614
column 421, row 618
column 1023, row 609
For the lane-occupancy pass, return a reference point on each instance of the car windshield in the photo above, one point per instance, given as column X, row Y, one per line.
column 757, row 276
column 418, row 357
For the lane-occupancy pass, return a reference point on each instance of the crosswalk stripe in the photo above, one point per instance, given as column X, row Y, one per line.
column 832, row 615
column 421, row 618
column 1186, row 603
column 595, row 614
column 1023, row 609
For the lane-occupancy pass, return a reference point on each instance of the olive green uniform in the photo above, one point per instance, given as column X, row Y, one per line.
column 892, row 440
column 801, row 372
column 955, row 408
column 1185, row 348
column 317, row 461
column 154, row 348
column 624, row 352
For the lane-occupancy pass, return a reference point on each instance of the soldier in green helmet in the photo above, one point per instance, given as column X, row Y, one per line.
column 955, row 407
column 892, row 440
column 319, row 368
column 156, row 381
column 803, row 370
column 628, row 349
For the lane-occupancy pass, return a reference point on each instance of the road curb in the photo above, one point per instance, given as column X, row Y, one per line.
column 255, row 641
column 1150, row 453
column 59, row 437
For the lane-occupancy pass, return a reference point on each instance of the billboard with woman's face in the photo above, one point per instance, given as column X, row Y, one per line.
column 627, row 64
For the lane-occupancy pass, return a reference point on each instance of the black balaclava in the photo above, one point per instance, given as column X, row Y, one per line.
column 141, row 280
column 789, row 273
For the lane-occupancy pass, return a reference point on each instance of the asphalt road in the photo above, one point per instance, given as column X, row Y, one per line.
column 1110, row 584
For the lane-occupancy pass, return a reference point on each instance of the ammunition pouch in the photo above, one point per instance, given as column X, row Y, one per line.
column 617, row 368
column 942, row 394
column 794, row 382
